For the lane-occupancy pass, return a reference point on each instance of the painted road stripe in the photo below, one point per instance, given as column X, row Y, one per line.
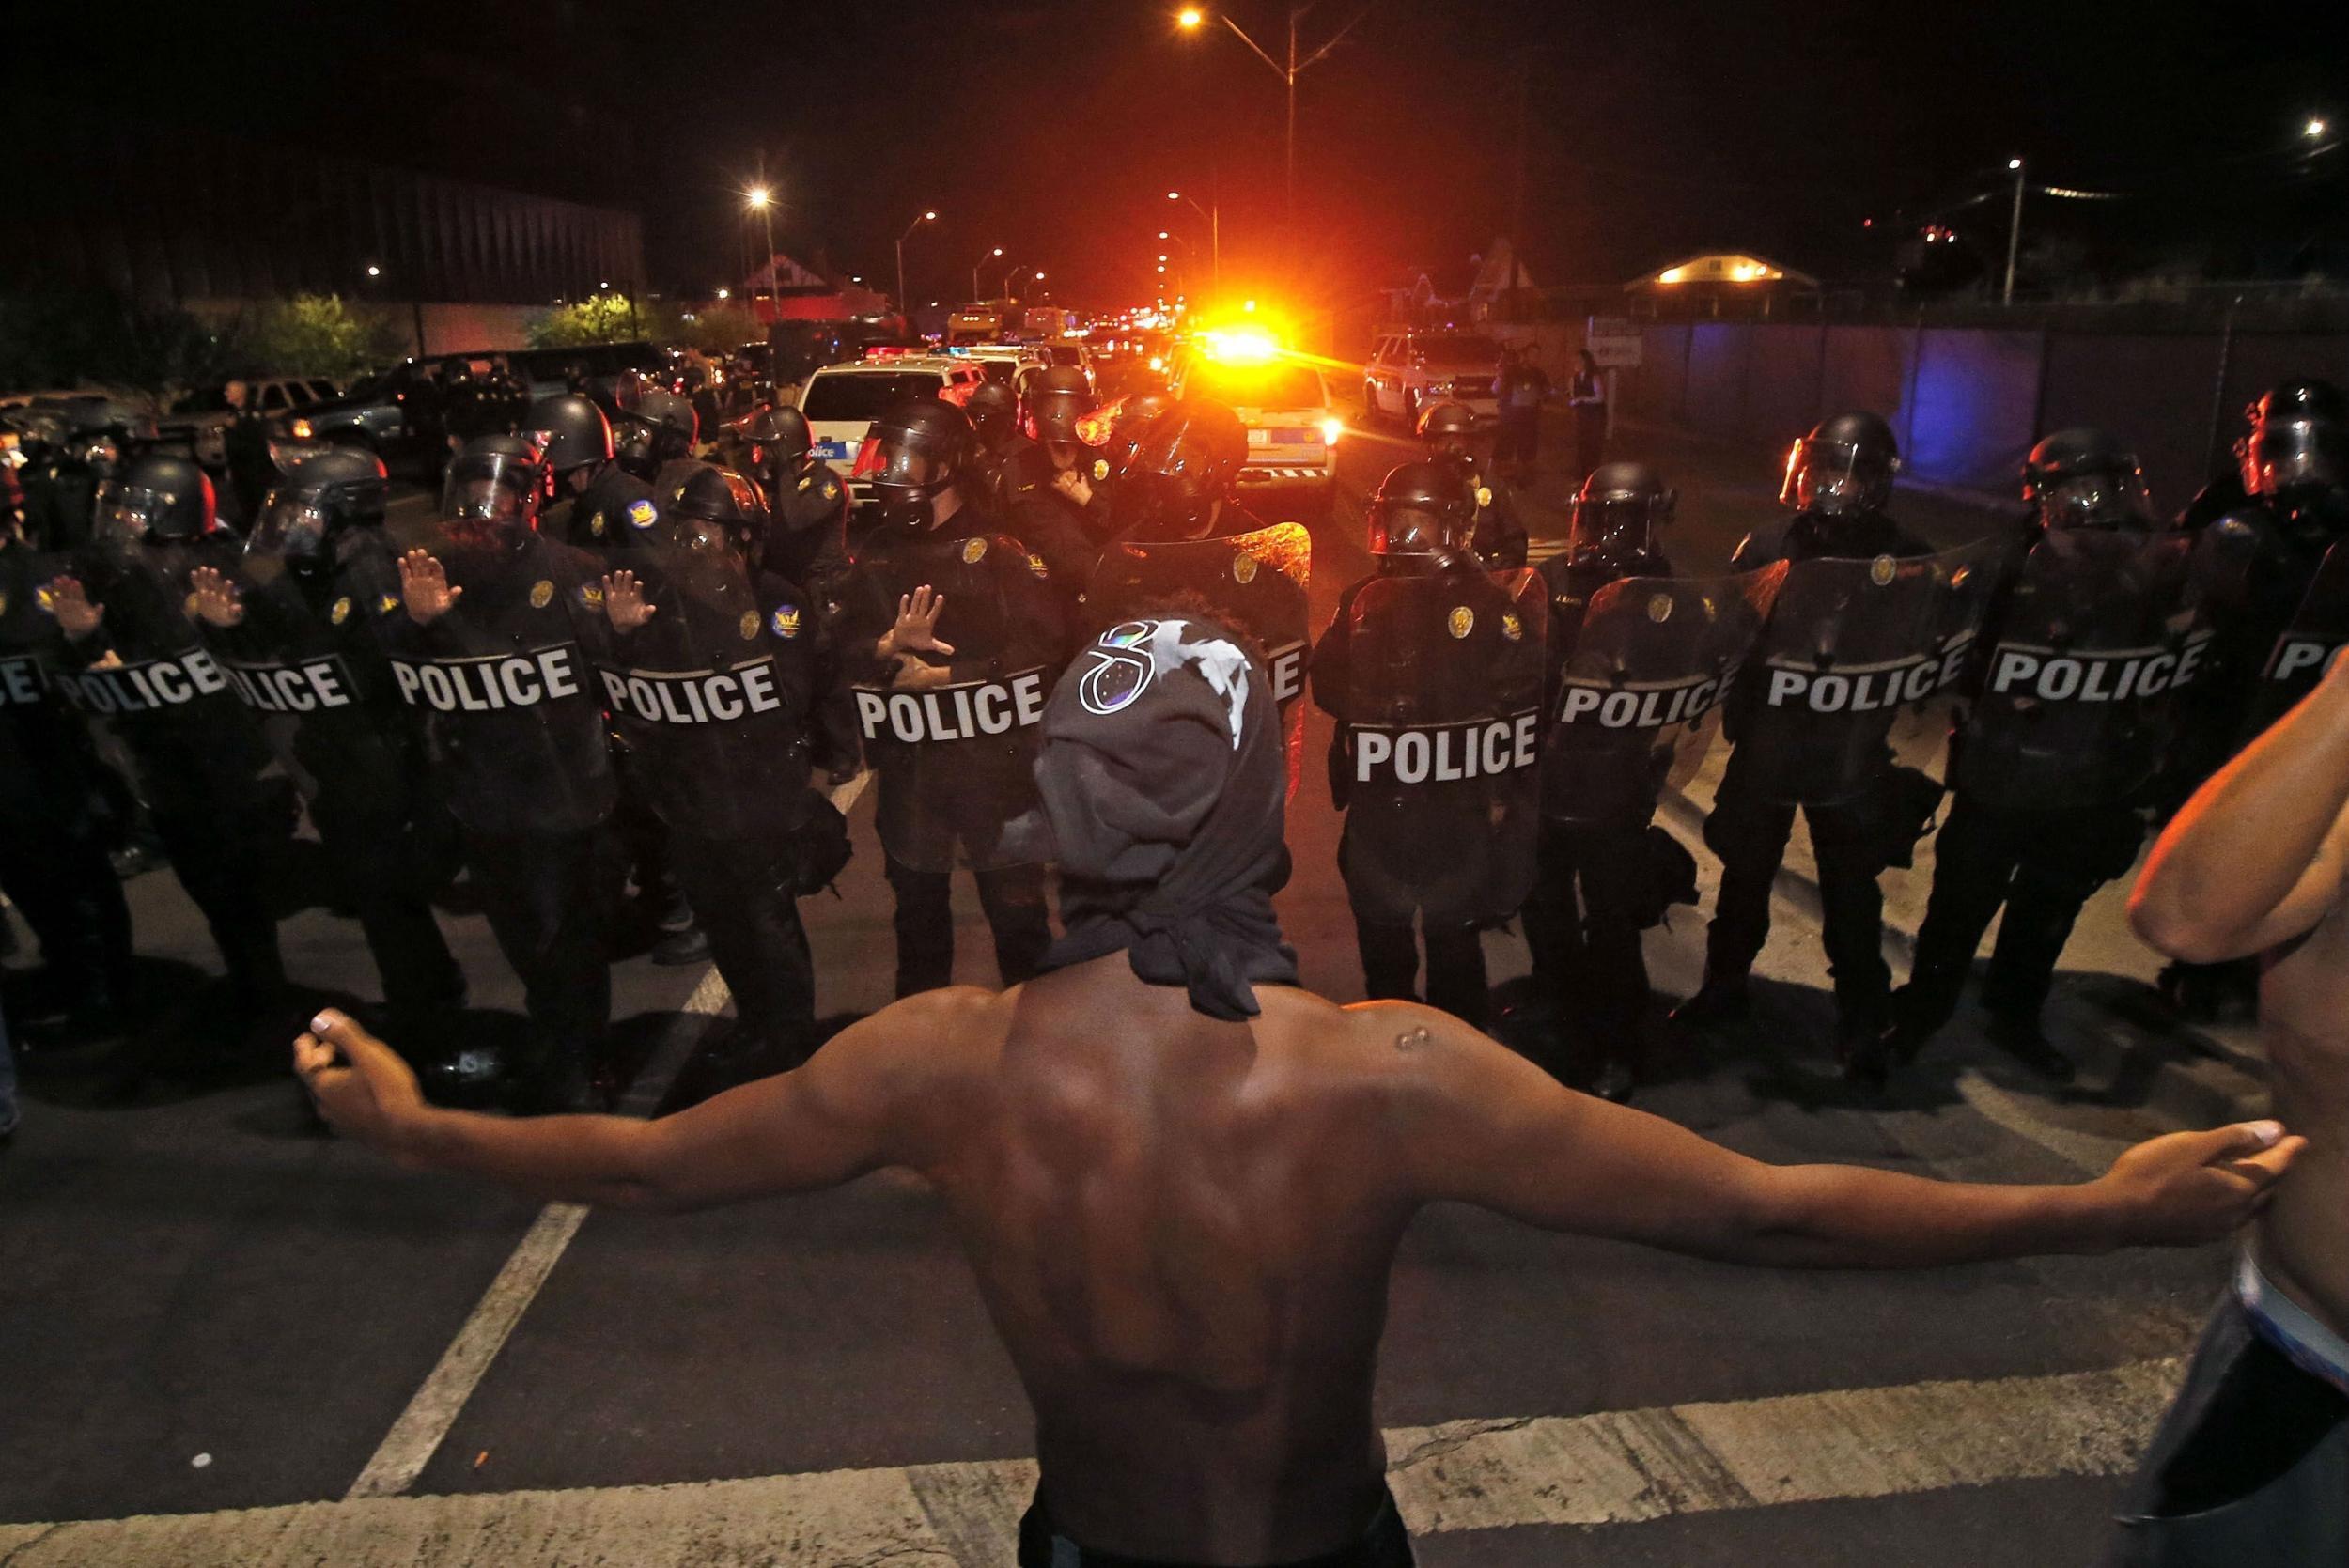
column 416, row 1436
column 1606, row 1468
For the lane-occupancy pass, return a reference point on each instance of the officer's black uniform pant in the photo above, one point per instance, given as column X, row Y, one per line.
column 2043, row 866
column 1587, row 954
column 385, row 870
column 54, row 871
column 548, row 899
column 741, row 894
column 1750, row 835
column 1455, row 965
column 223, row 858
column 1013, row 898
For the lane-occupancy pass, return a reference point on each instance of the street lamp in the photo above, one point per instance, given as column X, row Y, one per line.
column 1190, row 20
column 2316, row 128
column 925, row 218
column 373, row 271
column 762, row 201
column 2014, row 231
column 726, row 293
column 1215, row 232
column 974, row 272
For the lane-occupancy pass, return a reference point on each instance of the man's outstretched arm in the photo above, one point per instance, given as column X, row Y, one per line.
column 1477, row 1123
column 2257, row 855
column 857, row 1104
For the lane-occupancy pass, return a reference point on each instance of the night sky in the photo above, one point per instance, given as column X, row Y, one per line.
column 1055, row 128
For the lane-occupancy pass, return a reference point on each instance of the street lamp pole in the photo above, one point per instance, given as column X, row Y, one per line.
column 974, row 272
column 2014, row 232
column 1189, row 21
column 904, row 306
column 1215, row 234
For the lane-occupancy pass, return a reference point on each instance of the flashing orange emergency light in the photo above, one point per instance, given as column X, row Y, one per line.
column 1239, row 344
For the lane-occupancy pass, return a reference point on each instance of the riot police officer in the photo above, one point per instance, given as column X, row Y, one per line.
column 711, row 679
column 53, row 850
column 2305, row 401
column 1179, row 482
column 1387, row 663
column 1596, row 891
column 1837, row 482
column 951, row 637
column 807, row 544
column 2050, row 768
column 487, row 646
column 662, row 429
column 295, row 632
column 594, row 504
column 137, row 660
column 1450, row 433
column 1049, row 498
column 996, row 438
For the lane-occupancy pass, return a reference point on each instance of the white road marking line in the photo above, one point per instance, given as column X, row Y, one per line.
column 844, row 796
column 416, row 1436
column 1607, row 1468
column 2012, row 1112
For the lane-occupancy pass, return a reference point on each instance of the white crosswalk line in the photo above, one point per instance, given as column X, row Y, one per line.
column 1609, row 1467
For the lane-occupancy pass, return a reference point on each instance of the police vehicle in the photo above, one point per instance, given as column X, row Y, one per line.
column 1284, row 402
column 841, row 401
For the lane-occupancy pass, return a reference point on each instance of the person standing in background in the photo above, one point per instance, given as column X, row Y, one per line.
column 1519, row 388
column 1586, row 395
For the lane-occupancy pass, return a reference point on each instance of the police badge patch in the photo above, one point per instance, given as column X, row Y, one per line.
column 1461, row 621
column 541, row 594
column 1880, row 570
column 785, row 620
column 973, row 552
column 749, row 625
column 594, row 525
column 1659, row 608
column 1243, row 569
column 1483, row 496
column 1100, row 468
column 1036, row 564
column 805, row 480
column 341, row 613
column 187, row 606
column 1511, row 627
column 642, row 513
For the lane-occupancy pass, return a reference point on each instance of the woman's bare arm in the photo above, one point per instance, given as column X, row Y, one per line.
column 2257, row 855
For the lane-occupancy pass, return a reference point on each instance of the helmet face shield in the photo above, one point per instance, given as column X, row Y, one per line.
column 120, row 525
column 292, row 526
column 1413, row 528
column 2098, row 498
column 491, row 487
column 1613, row 524
column 2300, row 454
column 1835, row 478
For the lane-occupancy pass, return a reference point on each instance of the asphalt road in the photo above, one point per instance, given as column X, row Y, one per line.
column 207, row 1308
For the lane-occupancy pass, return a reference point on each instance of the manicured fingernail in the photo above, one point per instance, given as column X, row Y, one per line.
column 325, row 1021
column 2266, row 1132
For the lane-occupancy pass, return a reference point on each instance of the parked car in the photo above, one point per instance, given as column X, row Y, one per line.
column 198, row 423
column 1408, row 370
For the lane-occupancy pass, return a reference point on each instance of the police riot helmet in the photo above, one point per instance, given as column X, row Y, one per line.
column 913, row 454
column 41, row 430
column 322, row 490
column 994, row 408
column 1843, row 468
column 2085, row 478
column 158, row 499
column 495, row 479
column 672, row 417
column 1616, row 513
column 718, row 507
column 780, row 431
column 1421, row 509
column 1184, row 464
column 571, row 432
column 2299, row 440
column 1129, row 416
column 1448, row 429
column 1058, row 398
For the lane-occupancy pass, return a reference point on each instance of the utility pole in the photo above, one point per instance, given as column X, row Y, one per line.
column 2014, row 232
column 1517, row 198
column 1290, row 175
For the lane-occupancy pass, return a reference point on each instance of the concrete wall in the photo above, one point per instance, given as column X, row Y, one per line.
column 1968, row 403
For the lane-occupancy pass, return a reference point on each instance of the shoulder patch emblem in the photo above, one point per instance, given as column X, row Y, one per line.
column 1659, row 608
column 1880, row 570
column 1100, row 468
column 541, row 594
column 831, row 488
column 1243, row 569
column 805, row 480
column 341, row 611
column 1511, row 627
column 1483, row 496
column 973, row 552
column 642, row 513
column 46, row 598
column 1461, row 621
column 1036, row 564
column 591, row 595
column 785, row 620
column 595, row 526
column 388, row 603
column 187, row 606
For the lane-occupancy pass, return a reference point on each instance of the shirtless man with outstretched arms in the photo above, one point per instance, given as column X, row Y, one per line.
column 2252, row 1465
column 1181, row 1180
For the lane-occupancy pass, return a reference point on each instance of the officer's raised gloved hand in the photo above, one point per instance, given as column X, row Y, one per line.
column 76, row 615
column 624, row 602
column 424, row 587
column 1072, row 484
column 214, row 597
column 916, row 629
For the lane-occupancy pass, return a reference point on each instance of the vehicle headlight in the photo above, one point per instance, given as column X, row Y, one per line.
column 301, row 429
column 1331, row 430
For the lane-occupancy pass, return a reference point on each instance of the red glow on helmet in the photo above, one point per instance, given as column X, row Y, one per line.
column 868, row 459
column 1095, row 425
column 959, row 394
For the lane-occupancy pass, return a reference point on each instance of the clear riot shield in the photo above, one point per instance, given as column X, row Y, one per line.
column 1258, row 580
column 1848, row 643
column 1444, row 693
column 2079, row 694
column 511, row 706
column 713, row 697
column 2317, row 631
column 955, row 743
column 1640, row 694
